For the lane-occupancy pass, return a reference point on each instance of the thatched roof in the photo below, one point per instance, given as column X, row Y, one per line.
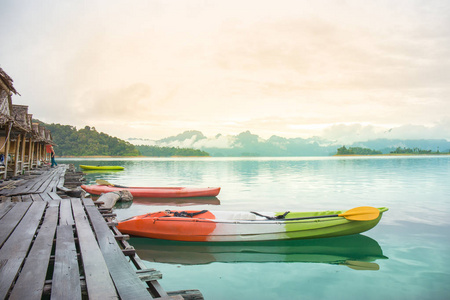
column 20, row 115
column 48, row 136
column 42, row 132
column 36, row 132
column 30, row 121
column 6, row 89
column 7, row 82
column 5, row 108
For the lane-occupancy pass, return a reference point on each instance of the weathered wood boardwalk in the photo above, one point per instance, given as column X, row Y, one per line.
column 56, row 247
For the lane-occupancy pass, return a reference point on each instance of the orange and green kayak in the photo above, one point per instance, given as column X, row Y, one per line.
column 229, row 226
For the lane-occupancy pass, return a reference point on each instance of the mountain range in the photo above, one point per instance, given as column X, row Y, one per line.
column 248, row 144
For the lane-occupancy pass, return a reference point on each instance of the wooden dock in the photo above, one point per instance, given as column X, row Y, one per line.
column 53, row 246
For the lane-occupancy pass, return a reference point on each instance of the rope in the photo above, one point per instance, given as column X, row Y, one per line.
column 10, row 185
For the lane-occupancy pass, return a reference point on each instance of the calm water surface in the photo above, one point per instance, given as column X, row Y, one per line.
column 406, row 256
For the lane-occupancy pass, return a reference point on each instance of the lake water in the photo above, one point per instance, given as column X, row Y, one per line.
column 406, row 256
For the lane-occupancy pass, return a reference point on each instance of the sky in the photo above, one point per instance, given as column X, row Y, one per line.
column 150, row 69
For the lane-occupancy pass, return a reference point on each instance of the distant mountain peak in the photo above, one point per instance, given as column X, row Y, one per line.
column 187, row 135
column 249, row 144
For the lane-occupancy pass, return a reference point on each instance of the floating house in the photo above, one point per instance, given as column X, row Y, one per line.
column 22, row 143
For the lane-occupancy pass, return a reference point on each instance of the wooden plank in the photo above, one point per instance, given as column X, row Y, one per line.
column 46, row 197
column 98, row 281
column 36, row 197
column 11, row 219
column 149, row 274
column 15, row 249
column 26, row 187
column 33, row 185
column 61, row 181
column 26, row 198
column 155, row 288
column 30, row 283
column 5, row 207
column 65, row 213
column 54, row 196
column 50, row 183
column 128, row 285
column 11, row 186
column 66, row 283
column 45, row 184
column 187, row 295
column 54, row 203
column 54, row 181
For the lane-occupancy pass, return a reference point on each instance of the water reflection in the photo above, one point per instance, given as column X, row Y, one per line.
column 177, row 201
column 166, row 201
column 100, row 171
column 357, row 251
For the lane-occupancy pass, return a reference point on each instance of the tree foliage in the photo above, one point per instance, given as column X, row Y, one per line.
column 88, row 142
column 357, row 151
column 169, row 151
column 404, row 150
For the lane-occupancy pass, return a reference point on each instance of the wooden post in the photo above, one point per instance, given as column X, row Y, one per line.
column 8, row 136
column 30, row 153
column 16, row 155
column 22, row 156
column 39, row 154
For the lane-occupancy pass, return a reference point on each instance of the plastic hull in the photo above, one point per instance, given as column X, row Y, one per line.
column 85, row 167
column 242, row 226
column 155, row 192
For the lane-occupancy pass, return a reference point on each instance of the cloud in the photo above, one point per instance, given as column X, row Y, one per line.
column 290, row 68
column 115, row 104
column 218, row 141
column 350, row 133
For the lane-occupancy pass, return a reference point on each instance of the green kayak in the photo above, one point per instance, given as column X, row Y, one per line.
column 85, row 167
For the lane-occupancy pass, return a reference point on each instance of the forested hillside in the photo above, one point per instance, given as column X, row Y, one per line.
column 169, row 151
column 88, row 142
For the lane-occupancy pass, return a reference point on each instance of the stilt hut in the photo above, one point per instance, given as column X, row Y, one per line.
column 22, row 143
column 28, row 153
column 44, row 157
column 20, row 133
column 6, row 119
column 38, row 146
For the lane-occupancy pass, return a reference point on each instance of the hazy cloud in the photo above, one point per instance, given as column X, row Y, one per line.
column 292, row 68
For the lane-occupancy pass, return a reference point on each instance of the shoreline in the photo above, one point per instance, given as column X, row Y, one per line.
column 395, row 154
column 142, row 156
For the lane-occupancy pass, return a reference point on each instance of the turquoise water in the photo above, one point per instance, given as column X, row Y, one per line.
column 406, row 256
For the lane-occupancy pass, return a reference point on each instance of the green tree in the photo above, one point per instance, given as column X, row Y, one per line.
column 169, row 151
column 87, row 142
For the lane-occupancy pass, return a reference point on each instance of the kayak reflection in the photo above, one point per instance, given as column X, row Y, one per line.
column 99, row 171
column 356, row 251
column 169, row 201
column 177, row 201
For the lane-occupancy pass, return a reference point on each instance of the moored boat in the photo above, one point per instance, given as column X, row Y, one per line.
column 151, row 192
column 229, row 226
column 87, row 167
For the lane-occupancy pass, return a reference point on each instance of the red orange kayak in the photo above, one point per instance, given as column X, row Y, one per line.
column 151, row 192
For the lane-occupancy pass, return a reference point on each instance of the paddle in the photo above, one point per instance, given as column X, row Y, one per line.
column 361, row 265
column 104, row 182
column 362, row 213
